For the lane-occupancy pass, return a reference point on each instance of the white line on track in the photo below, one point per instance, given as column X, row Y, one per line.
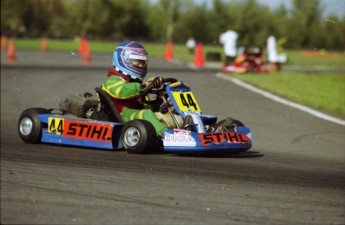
column 281, row 100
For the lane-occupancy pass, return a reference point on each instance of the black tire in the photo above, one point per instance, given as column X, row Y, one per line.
column 31, row 133
column 139, row 137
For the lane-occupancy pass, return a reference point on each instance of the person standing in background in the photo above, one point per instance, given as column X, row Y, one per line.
column 191, row 43
column 229, row 39
column 272, row 54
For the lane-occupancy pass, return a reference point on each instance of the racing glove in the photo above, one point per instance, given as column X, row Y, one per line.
column 153, row 82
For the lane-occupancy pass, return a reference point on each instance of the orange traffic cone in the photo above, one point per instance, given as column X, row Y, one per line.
column 87, row 55
column 11, row 52
column 199, row 56
column 3, row 43
column 44, row 44
column 82, row 46
column 169, row 55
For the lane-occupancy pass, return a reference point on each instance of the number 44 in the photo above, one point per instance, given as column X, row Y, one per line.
column 188, row 101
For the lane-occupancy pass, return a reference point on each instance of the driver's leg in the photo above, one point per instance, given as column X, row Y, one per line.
column 145, row 114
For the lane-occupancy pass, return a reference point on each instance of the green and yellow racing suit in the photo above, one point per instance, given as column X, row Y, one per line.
column 126, row 97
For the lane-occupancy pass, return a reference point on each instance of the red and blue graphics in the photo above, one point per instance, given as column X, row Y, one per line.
column 89, row 133
column 193, row 142
column 218, row 138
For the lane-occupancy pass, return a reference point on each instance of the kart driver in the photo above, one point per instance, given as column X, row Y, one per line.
column 125, row 84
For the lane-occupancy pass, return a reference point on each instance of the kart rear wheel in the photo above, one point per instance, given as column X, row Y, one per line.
column 29, row 125
column 139, row 137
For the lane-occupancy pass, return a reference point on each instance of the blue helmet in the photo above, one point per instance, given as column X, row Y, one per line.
column 131, row 58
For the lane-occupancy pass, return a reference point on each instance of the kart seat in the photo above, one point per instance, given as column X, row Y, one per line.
column 108, row 107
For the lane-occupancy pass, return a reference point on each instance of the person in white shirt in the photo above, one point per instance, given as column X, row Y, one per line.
column 272, row 54
column 228, row 39
column 272, row 49
column 191, row 44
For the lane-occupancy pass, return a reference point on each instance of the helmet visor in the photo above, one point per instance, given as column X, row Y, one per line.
column 138, row 61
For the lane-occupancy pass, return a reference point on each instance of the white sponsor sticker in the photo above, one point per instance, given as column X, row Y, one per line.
column 179, row 138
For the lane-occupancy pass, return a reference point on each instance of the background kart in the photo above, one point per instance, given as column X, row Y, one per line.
column 251, row 60
column 86, row 121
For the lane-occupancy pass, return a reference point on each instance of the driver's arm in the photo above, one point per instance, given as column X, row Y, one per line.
column 118, row 88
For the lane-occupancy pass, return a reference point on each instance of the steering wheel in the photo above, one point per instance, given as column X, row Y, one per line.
column 150, row 90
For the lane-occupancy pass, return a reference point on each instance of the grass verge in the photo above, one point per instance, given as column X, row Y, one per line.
column 323, row 91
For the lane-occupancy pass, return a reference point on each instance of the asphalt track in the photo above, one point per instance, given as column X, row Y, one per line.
column 294, row 174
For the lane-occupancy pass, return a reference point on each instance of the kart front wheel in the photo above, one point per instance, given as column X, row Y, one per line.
column 29, row 125
column 138, row 137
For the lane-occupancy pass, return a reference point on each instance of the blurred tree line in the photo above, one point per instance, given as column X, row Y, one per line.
column 161, row 20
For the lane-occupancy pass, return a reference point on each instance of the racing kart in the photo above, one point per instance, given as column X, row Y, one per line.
column 250, row 61
column 94, row 122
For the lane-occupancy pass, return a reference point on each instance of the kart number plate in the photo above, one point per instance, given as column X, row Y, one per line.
column 186, row 101
column 55, row 125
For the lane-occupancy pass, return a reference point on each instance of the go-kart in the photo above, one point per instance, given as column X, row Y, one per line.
column 87, row 121
column 250, row 61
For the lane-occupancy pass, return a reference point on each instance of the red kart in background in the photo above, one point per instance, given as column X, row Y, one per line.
column 251, row 61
